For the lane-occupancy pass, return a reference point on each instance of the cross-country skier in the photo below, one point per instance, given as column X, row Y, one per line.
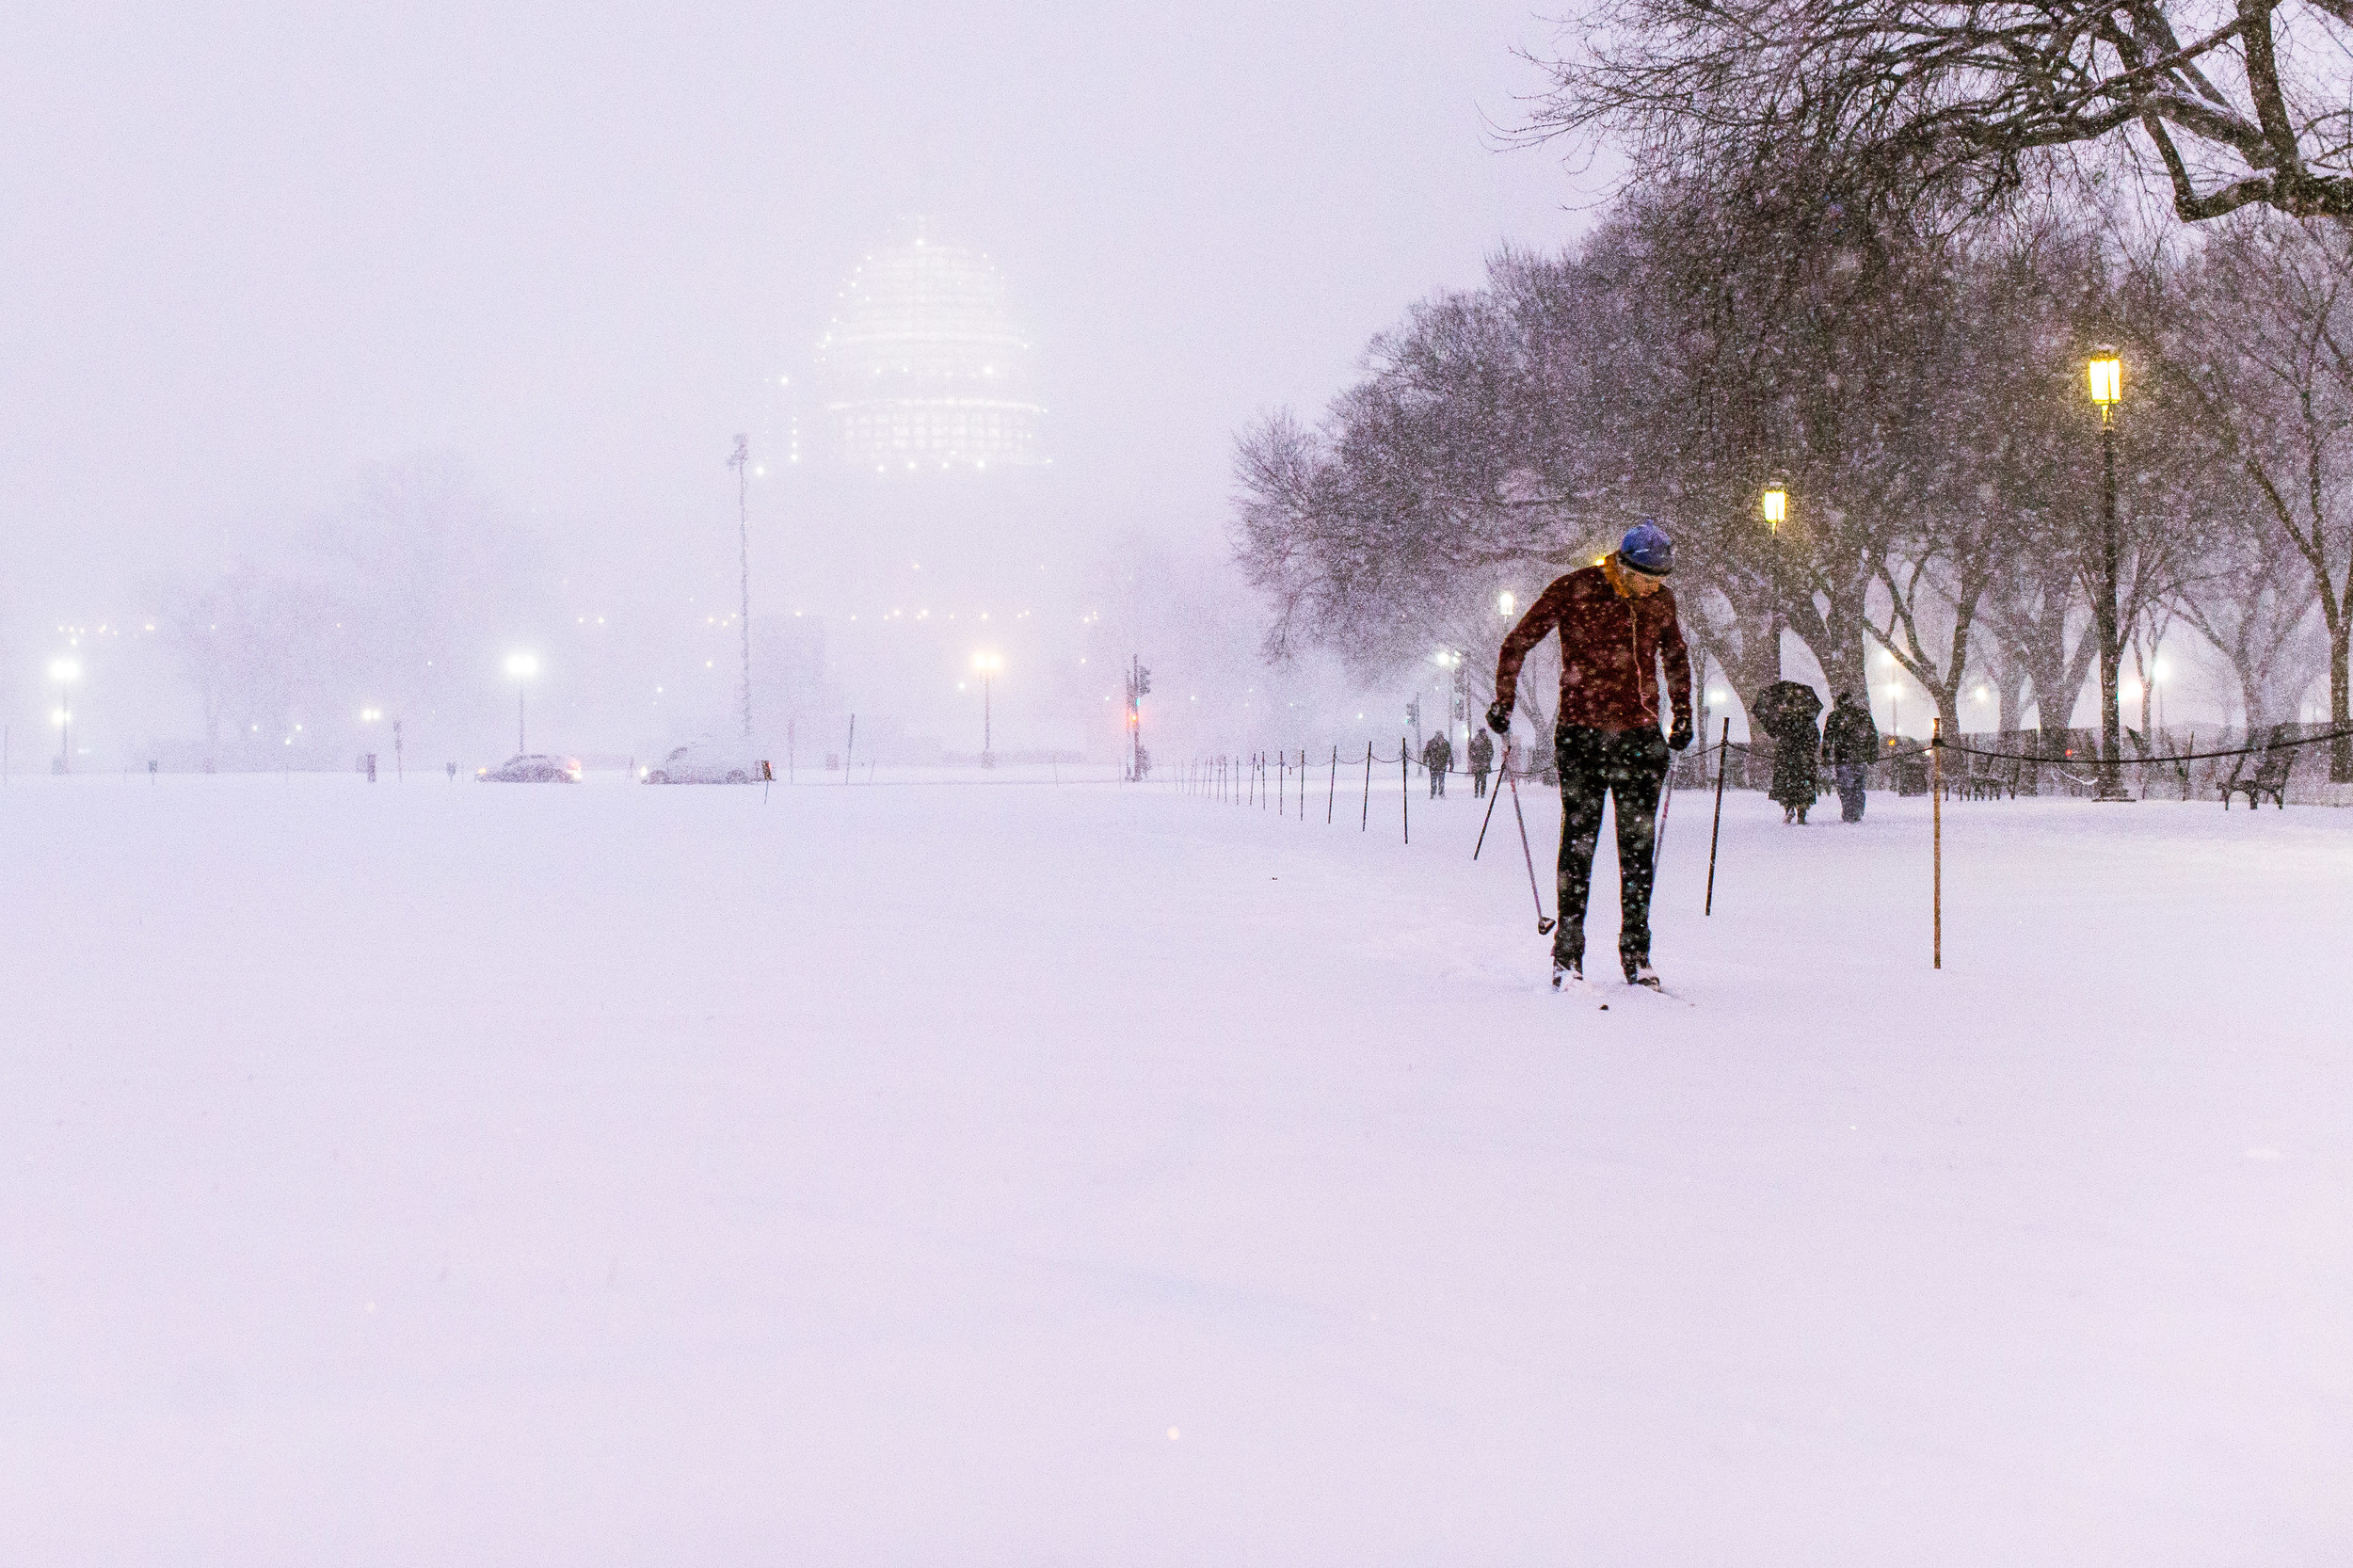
column 1617, row 625
column 1437, row 755
column 1482, row 761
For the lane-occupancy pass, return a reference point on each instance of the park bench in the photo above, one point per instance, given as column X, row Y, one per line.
column 1983, row 781
column 2270, row 777
column 1993, row 777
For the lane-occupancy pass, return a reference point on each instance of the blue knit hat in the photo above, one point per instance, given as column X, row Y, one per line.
column 1647, row 549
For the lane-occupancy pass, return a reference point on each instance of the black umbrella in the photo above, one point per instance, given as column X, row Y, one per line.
column 1786, row 707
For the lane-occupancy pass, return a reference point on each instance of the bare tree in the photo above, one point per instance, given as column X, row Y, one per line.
column 2264, row 359
column 2254, row 608
column 1951, row 102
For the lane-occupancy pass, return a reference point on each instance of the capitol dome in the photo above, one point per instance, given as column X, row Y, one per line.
column 923, row 366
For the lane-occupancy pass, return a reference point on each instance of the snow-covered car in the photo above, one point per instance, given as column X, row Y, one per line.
column 707, row 762
column 532, row 768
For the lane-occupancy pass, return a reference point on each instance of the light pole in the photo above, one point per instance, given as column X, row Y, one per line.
column 521, row 667
column 2104, row 373
column 1450, row 659
column 988, row 664
column 1773, row 507
column 740, row 463
column 65, row 672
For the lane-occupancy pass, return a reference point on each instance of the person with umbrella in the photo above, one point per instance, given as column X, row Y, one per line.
column 1785, row 711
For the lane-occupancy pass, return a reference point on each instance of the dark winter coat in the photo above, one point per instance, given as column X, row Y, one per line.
column 1483, row 752
column 1850, row 734
column 1785, row 711
column 1611, row 647
column 1437, row 753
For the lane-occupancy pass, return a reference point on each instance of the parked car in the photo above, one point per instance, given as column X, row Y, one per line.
column 708, row 763
column 532, row 768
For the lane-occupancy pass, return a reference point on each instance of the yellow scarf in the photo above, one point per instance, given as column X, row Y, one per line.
column 1611, row 569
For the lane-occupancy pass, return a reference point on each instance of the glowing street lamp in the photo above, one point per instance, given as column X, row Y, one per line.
column 65, row 672
column 1773, row 507
column 521, row 667
column 988, row 664
column 1506, row 602
column 2104, row 372
column 1458, row 707
column 2104, row 375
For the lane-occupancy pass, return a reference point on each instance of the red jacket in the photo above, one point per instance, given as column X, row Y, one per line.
column 1611, row 645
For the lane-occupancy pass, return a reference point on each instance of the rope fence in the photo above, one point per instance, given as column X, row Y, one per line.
column 1279, row 781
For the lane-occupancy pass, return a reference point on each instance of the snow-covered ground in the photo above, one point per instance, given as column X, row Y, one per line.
column 1014, row 1174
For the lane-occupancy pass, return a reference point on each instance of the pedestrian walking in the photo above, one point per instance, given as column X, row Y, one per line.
column 1437, row 755
column 1851, row 742
column 1622, row 663
column 1482, row 761
column 1785, row 712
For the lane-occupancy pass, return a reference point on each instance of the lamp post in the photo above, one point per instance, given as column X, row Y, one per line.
column 65, row 672
column 521, row 667
column 2105, row 374
column 988, row 664
column 1450, row 659
column 1773, row 507
column 739, row 462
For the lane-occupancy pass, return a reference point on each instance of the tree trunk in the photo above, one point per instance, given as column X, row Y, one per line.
column 2341, row 701
column 1949, row 709
column 2009, row 689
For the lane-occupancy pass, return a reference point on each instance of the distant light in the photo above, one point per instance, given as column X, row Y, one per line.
column 62, row 670
column 1506, row 602
column 522, row 666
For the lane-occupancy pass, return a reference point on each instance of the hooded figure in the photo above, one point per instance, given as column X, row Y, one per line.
column 1785, row 711
column 1482, row 761
column 1851, row 743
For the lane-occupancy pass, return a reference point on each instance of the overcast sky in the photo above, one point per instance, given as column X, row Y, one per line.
column 247, row 248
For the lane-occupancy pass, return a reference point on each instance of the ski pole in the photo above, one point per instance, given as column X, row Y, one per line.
column 1331, row 793
column 1543, row 921
column 1723, row 754
column 1493, row 795
column 1658, row 838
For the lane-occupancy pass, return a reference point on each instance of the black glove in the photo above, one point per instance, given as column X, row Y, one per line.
column 1499, row 717
column 1680, row 736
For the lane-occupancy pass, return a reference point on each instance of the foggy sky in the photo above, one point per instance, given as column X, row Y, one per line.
column 250, row 248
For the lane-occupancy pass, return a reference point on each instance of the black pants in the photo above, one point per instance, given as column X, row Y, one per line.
column 1629, row 766
column 1478, row 782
